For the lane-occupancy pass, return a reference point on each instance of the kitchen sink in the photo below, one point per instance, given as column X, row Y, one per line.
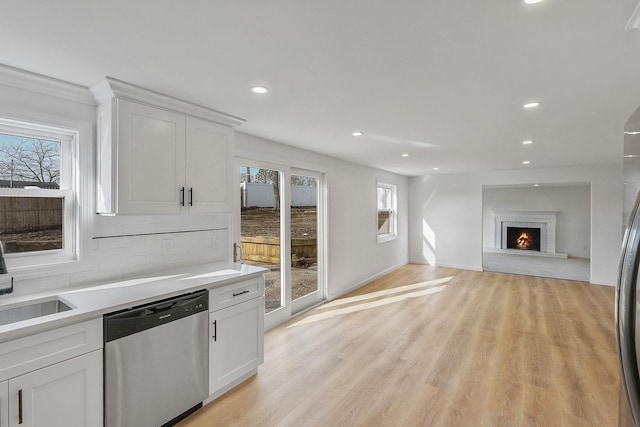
column 31, row 310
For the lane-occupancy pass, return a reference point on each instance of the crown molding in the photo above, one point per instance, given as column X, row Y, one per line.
column 26, row 80
column 110, row 88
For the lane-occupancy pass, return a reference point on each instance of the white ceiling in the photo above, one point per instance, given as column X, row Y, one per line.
column 441, row 80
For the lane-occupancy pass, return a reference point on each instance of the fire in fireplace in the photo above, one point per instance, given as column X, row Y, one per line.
column 524, row 238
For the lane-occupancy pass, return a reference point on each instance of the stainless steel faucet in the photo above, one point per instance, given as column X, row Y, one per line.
column 3, row 270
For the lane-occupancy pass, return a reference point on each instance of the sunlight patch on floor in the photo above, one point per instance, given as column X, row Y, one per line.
column 367, row 305
column 371, row 295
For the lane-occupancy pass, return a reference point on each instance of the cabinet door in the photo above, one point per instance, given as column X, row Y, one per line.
column 4, row 404
column 67, row 394
column 150, row 171
column 236, row 342
column 209, row 161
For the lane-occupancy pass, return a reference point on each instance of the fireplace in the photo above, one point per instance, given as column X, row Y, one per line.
column 539, row 230
column 544, row 235
column 523, row 238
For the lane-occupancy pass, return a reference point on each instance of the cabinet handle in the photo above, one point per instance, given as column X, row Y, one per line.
column 190, row 196
column 19, row 406
column 215, row 330
column 241, row 293
column 182, row 196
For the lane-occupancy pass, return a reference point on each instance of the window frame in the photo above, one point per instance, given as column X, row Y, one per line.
column 393, row 210
column 69, row 191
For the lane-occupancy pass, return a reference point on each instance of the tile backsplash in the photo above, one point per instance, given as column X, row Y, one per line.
column 129, row 245
column 124, row 246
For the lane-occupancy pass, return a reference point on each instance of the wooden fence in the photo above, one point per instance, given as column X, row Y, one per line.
column 21, row 214
column 267, row 249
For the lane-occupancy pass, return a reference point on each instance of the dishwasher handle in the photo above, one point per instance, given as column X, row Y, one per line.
column 159, row 308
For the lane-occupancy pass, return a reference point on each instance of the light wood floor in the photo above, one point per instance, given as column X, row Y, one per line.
column 478, row 349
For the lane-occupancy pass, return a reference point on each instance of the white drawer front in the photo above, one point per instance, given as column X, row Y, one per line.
column 39, row 350
column 236, row 293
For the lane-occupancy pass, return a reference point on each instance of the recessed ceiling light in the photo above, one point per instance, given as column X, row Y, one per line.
column 526, row 162
column 532, row 1
column 435, row 169
column 536, row 185
column 261, row 90
column 405, row 155
column 630, row 156
column 531, row 105
column 357, row 133
column 527, row 142
column 632, row 132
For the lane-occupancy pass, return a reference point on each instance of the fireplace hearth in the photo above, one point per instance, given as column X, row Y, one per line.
column 523, row 238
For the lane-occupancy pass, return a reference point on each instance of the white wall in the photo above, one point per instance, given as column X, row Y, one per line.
column 573, row 204
column 354, row 256
column 446, row 214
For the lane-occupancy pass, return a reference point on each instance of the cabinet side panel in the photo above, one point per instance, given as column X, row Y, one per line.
column 105, row 161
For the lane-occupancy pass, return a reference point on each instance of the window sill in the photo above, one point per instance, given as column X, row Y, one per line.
column 386, row 238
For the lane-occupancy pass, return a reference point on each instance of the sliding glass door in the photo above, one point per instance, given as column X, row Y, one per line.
column 306, row 228
column 261, row 228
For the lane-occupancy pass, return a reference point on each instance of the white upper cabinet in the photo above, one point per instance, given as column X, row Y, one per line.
column 150, row 158
column 209, row 165
column 157, row 154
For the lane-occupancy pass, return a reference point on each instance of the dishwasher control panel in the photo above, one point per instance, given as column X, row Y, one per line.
column 140, row 318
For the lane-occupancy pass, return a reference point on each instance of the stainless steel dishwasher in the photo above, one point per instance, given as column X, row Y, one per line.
column 156, row 361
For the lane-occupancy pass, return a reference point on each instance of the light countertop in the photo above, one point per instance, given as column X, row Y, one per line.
column 95, row 301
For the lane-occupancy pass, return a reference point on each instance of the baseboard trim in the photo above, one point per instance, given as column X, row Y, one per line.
column 367, row 280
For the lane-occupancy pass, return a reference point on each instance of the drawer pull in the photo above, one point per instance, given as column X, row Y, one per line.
column 241, row 293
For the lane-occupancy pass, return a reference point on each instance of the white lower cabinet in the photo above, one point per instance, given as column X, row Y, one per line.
column 236, row 344
column 66, row 394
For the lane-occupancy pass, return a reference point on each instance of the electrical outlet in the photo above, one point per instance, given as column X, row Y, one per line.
column 215, row 241
column 167, row 246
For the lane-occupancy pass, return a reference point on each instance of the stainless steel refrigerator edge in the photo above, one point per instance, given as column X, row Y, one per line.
column 626, row 327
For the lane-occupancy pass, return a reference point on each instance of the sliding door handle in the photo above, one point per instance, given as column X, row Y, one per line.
column 237, row 252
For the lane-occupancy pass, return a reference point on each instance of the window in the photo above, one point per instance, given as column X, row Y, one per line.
column 37, row 194
column 387, row 195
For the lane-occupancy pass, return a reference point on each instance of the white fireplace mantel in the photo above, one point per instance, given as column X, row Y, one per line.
column 546, row 221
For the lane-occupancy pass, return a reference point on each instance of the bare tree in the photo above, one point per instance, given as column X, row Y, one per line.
column 31, row 160
column 304, row 181
column 267, row 176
